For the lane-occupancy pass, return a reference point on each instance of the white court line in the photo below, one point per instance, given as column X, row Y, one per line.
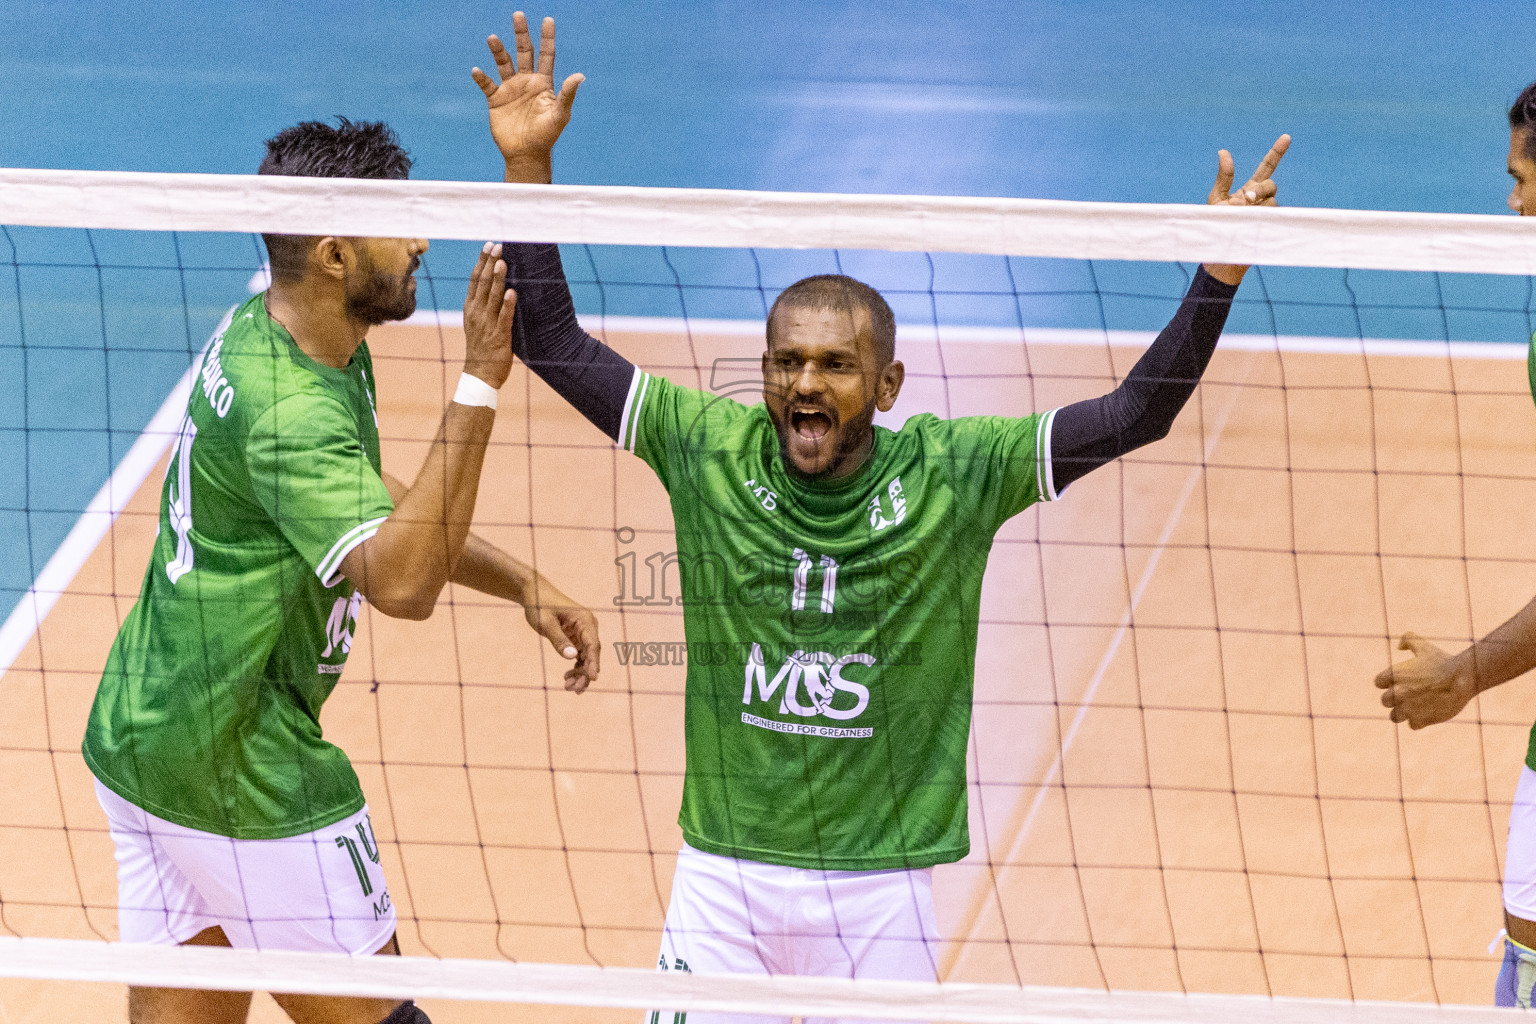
column 1022, row 830
column 87, row 533
column 413, row 977
column 1124, row 629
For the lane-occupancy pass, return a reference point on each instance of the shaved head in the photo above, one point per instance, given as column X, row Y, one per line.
column 838, row 293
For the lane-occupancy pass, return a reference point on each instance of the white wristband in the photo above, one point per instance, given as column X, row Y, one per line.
column 474, row 391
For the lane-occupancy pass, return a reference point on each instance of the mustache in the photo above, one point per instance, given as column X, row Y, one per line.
column 791, row 406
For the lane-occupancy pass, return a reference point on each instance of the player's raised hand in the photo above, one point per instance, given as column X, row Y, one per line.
column 527, row 115
column 488, row 319
column 572, row 630
column 1429, row 688
column 1259, row 189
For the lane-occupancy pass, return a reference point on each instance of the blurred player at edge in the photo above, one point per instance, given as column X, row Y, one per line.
column 1433, row 686
column 234, row 821
column 836, row 567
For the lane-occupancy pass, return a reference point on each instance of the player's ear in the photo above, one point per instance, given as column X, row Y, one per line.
column 332, row 256
column 891, row 379
column 767, row 341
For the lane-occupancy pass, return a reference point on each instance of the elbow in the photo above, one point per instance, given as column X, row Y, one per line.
column 417, row 611
column 1141, row 434
column 415, row 607
column 1156, row 432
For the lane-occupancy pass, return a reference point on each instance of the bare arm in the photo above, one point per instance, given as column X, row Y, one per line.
column 403, row 567
column 569, row 627
column 1433, row 686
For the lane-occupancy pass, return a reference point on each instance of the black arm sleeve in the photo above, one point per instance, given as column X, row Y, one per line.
column 1086, row 435
column 545, row 335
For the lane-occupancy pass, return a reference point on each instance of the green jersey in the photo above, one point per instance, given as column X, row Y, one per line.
column 831, row 626
column 208, row 712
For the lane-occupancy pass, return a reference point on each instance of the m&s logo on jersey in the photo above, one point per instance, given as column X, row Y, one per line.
column 827, row 693
column 878, row 520
column 340, row 628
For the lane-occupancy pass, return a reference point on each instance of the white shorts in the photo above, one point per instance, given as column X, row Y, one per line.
column 322, row 892
column 1520, row 853
column 746, row 917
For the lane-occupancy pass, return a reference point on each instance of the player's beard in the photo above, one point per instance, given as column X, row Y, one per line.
column 375, row 297
column 850, row 437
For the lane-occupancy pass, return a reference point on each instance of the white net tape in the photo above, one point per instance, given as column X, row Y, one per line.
column 620, row 987
column 1357, row 239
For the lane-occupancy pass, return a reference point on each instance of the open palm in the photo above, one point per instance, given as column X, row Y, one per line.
column 527, row 115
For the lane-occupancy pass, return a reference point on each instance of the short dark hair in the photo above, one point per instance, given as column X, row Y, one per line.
column 313, row 149
column 1522, row 115
column 843, row 294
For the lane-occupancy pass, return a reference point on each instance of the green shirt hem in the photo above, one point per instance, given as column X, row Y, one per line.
column 887, row 862
column 287, row 831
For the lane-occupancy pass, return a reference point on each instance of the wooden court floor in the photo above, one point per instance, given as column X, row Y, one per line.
column 1181, row 778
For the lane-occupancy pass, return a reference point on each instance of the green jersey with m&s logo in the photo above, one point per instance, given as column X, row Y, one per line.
column 831, row 626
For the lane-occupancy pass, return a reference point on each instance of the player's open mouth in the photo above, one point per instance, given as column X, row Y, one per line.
column 810, row 424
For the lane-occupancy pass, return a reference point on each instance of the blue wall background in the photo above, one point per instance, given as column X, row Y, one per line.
column 1392, row 106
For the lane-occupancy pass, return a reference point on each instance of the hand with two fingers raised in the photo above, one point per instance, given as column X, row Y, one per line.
column 1258, row 190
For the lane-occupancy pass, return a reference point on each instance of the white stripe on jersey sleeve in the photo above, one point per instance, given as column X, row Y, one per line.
column 1043, row 466
column 329, row 569
column 634, row 429
column 629, row 401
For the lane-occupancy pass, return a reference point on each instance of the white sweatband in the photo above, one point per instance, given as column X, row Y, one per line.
column 474, row 391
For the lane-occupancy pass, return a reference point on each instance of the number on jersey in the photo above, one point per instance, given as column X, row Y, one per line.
column 803, row 577
column 179, row 499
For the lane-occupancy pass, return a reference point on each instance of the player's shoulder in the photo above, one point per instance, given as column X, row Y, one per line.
column 688, row 406
column 927, row 430
column 252, row 371
column 966, row 433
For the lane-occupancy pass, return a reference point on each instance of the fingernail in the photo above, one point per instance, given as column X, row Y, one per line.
column 486, row 248
column 570, row 652
column 1251, row 194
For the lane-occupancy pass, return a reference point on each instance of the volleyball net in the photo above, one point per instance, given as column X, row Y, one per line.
column 1180, row 777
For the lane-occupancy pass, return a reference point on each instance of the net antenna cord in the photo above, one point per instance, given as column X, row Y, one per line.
column 208, row 967
column 610, row 215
